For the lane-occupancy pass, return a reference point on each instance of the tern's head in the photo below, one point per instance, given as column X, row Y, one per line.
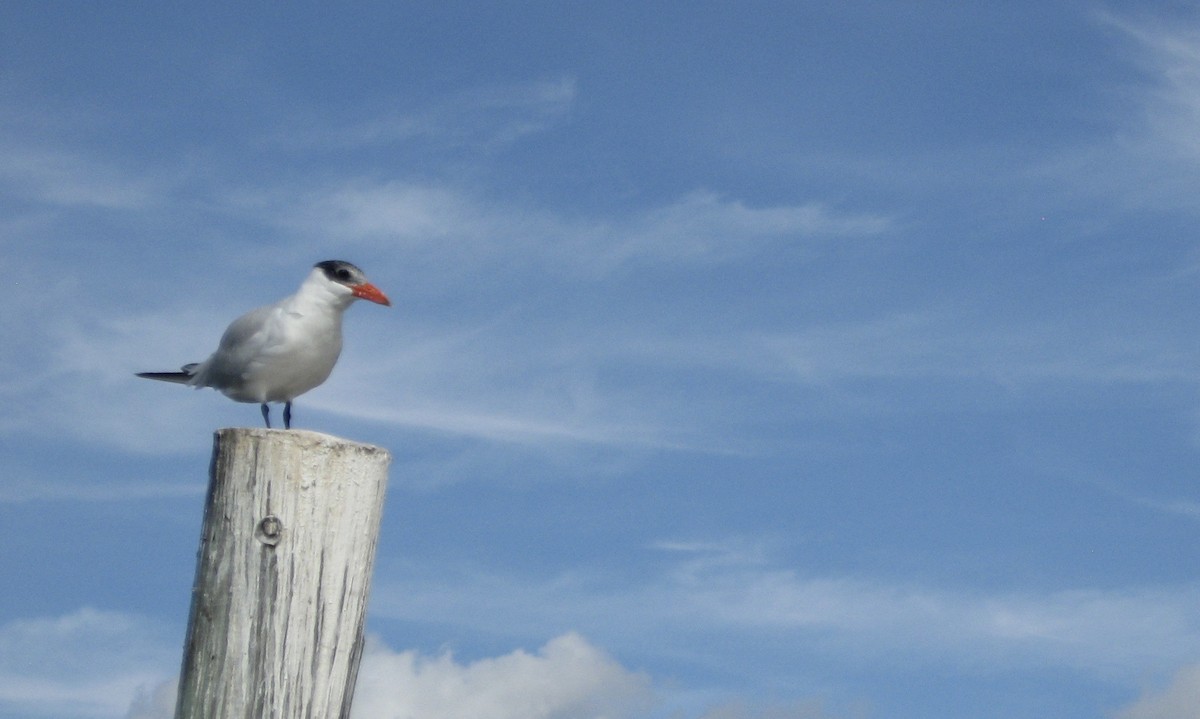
column 343, row 273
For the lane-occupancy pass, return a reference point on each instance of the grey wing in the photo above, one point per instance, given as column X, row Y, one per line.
column 237, row 352
column 248, row 330
column 241, row 347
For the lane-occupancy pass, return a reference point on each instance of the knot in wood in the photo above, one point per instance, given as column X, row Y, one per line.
column 269, row 530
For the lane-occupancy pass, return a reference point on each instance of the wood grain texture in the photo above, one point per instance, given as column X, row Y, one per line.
column 291, row 524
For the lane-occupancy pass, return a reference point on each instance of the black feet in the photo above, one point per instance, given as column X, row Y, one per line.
column 287, row 415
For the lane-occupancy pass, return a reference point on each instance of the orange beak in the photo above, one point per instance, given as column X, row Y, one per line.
column 368, row 291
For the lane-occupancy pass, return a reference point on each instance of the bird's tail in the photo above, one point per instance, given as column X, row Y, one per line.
column 184, row 376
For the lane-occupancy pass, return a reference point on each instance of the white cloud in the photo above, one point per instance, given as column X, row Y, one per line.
column 156, row 702
column 566, row 678
column 1179, row 700
column 84, row 664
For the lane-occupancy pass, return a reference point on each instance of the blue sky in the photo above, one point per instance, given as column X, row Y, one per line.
column 747, row 360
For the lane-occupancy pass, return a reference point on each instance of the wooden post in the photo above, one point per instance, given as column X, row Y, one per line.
column 282, row 577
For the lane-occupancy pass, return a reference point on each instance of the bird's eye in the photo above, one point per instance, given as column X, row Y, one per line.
column 343, row 273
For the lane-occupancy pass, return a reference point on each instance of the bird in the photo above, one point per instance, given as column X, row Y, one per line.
column 280, row 351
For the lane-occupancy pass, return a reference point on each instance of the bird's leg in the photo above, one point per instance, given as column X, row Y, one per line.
column 287, row 415
column 266, row 414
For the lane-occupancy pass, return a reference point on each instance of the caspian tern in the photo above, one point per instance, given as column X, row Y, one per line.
column 278, row 352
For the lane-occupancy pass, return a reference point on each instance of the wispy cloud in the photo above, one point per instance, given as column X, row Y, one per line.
column 1169, row 55
column 508, row 384
column 504, row 427
column 459, row 226
column 1113, row 633
column 536, row 386
column 704, row 226
column 77, row 356
column 524, row 380
column 60, row 178
column 802, row 710
column 956, row 345
column 488, row 118
column 858, row 620
column 1178, row 507
column 76, row 375
column 501, row 383
column 1149, row 156
column 18, row 492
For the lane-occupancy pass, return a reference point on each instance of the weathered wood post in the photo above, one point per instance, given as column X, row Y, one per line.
column 282, row 576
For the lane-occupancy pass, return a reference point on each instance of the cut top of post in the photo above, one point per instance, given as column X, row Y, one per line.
column 301, row 439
